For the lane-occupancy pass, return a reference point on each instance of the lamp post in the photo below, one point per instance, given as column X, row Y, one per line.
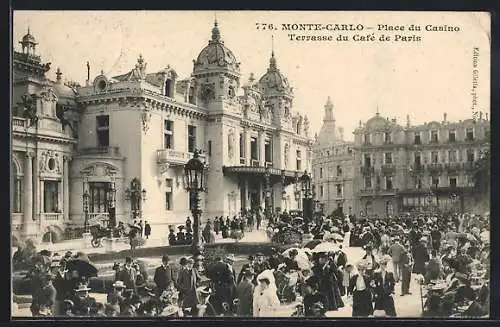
column 112, row 209
column 296, row 189
column 267, row 176
column 305, row 180
column 85, row 199
column 136, row 197
column 194, row 171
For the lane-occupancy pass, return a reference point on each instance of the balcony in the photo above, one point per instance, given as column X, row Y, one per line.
column 453, row 166
column 17, row 221
column 388, row 168
column 417, row 168
column 434, row 167
column 51, row 217
column 101, row 150
column 366, row 170
column 269, row 164
column 175, row 158
column 367, row 191
column 255, row 163
column 19, row 123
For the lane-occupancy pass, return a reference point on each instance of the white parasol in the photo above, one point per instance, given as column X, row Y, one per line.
column 326, row 247
column 485, row 236
column 301, row 258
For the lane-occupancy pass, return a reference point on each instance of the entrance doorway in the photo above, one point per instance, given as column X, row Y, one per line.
column 254, row 200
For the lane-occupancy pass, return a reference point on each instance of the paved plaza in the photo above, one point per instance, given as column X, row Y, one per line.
column 408, row 306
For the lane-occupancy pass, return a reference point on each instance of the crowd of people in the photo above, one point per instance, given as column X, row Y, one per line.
column 448, row 256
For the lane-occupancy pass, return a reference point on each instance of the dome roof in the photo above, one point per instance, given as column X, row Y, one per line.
column 216, row 55
column 64, row 92
column 28, row 38
column 376, row 122
column 273, row 79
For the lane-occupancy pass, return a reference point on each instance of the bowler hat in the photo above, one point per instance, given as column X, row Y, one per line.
column 165, row 258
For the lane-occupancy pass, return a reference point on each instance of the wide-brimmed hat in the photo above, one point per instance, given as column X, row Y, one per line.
column 69, row 302
column 119, row 284
column 82, row 288
column 183, row 261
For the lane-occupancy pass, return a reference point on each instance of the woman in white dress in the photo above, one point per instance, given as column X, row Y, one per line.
column 265, row 298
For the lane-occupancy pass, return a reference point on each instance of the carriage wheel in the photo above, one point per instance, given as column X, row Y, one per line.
column 96, row 242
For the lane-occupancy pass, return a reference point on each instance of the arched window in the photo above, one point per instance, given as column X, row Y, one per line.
column 191, row 95
column 298, row 128
column 16, row 190
column 169, row 88
column 369, row 208
column 389, row 209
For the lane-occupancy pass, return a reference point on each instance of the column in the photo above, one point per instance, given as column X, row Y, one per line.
column 262, row 154
column 245, row 191
column 40, row 198
column 28, row 192
column 35, row 207
column 248, row 148
column 66, row 188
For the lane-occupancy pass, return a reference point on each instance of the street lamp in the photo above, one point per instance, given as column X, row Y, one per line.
column 267, row 176
column 283, row 192
column 135, row 195
column 194, row 171
column 305, row 180
column 85, row 198
column 112, row 208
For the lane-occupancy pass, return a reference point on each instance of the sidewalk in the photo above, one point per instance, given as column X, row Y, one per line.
column 256, row 236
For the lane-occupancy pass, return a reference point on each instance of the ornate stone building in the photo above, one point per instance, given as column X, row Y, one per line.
column 421, row 168
column 333, row 167
column 123, row 140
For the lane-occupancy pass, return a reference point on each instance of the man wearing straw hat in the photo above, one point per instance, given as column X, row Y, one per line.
column 84, row 304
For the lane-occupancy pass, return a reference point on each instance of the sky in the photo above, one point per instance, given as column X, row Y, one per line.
column 423, row 79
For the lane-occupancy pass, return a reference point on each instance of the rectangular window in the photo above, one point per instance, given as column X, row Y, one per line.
column 434, row 157
column 209, row 148
column 416, row 138
column 368, row 182
column 470, row 155
column 452, row 156
column 321, row 173
column 368, row 160
column 17, row 195
column 367, row 139
column 435, row 181
column 242, row 145
column 268, row 150
column 168, row 194
column 434, row 136
column 299, row 160
column 339, row 170
column 321, row 191
column 418, row 159
column 419, row 183
column 453, row 182
column 339, row 190
column 50, row 196
column 451, row 136
column 253, row 149
column 191, row 138
column 469, row 134
column 388, row 182
column 387, row 138
column 98, row 192
column 102, row 130
column 168, row 134
column 388, row 158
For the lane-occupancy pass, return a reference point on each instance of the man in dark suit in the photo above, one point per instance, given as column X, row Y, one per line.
column 383, row 287
column 147, row 229
column 247, row 266
column 244, row 294
column 395, row 251
column 128, row 275
column 63, row 288
column 406, row 268
column 187, row 285
column 164, row 275
column 339, row 261
column 85, row 305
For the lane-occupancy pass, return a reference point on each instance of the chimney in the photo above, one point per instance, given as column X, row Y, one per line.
column 444, row 117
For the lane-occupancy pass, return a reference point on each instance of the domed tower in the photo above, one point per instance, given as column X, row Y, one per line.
column 216, row 72
column 277, row 93
column 28, row 44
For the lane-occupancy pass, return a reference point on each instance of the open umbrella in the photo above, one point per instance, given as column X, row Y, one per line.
column 312, row 244
column 298, row 219
column 325, row 247
column 83, row 266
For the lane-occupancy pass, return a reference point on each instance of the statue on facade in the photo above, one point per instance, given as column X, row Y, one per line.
column 287, row 148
